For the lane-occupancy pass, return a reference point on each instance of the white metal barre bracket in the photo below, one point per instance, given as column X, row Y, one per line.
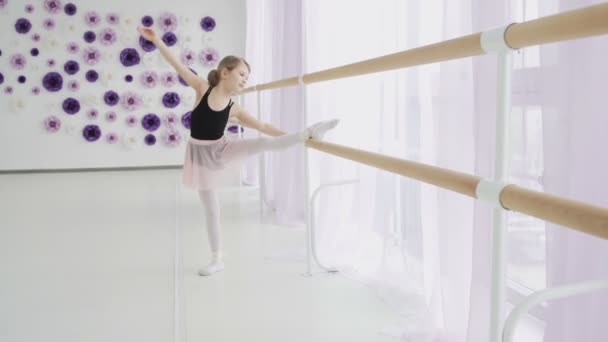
column 489, row 192
column 494, row 40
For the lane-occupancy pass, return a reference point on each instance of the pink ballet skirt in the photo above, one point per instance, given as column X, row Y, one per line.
column 208, row 163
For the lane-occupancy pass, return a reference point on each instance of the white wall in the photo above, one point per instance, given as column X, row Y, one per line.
column 24, row 142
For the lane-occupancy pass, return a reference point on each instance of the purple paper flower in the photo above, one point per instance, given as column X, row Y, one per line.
column 8, row 90
column 129, row 78
column 29, row 8
column 1, row 78
column 73, row 85
column 89, row 36
column 73, row 48
column 182, row 81
column 147, row 21
column 111, row 98
column 71, row 106
column 150, row 122
column 146, row 45
column 171, row 100
column 112, row 18
column 111, row 116
column 52, row 81
column 149, row 79
column 172, row 138
column 52, row 6
column 71, row 67
column 129, row 57
column 92, row 113
column 208, row 56
column 168, row 79
column 48, row 24
column 167, row 22
column 23, row 26
column 169, row 38
column 18, row 61
column 21, row 79
column 3, row 3
column 208, row 24
column 92, row 18
column 130, row 101
column 171, row 120
column 52, row 124
column 36, row 37
column 35, row 90
column 234, row 129
column 91, row 133
column 50, row 63
column 131, row 120
column 92, row 76
column 34, row 52
column 91, row 55
column 187, row 57
column 70, row 9
column 107, row 37
column 150, row 139
column 186, row 119
column 111, row 138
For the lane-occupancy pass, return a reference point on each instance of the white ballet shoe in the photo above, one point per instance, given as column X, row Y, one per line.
column 318, row 130
column 211, row 269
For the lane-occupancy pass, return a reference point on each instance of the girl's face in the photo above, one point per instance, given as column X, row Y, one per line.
column 235, row 80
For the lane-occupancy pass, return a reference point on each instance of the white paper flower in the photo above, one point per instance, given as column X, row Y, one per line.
column 130, row 141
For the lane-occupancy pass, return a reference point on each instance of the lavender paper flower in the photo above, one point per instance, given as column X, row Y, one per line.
column 23, row 26
column 171, row 100
column 147, row 21
column 146, row 45
column 8, row 90
column 149, row 79
column 3, row 3
column 35, row 90
column 48, row 24
column 52, row 81
column 150, row 122
column 111, row 138
column 71, row 67
column 73, row 85
column 92, row 76
column 91, row 133
column 167, row 22
column 50, row 63
column 150, row 139
column 111, row 116
column 169, row 38
column 52, row 124
column 92, row 113
column 73, row 48
column 186, row 119
column 92, row 18
column 172, row 138
column 107, row 37
column 29, row 8
column 52, row 6
column 209, row 57
column 91, row 55
column 18, row 61
column 187, row 57
column 130, row 101
column 89, row 36
column 208, row 24
column 131, row 120
column 111, row 98
column 112, row 18
column 70, row 9
column 171, row 120
column 129, row 57
column 168, row 79
column 36, row 37
column 71, row 106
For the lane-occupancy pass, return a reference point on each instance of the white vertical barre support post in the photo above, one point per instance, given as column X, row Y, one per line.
column 305, row 123
column 261, row 159
column 494, row 41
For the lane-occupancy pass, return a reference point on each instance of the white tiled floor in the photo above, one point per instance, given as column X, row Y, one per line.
column 90, row 257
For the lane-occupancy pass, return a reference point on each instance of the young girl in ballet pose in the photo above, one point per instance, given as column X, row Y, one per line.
column 208, row 150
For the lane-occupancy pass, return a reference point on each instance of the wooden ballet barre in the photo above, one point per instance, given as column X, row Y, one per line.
column 581, row 23
column 581, row 216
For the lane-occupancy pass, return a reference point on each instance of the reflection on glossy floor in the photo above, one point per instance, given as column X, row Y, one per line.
column 91, row 257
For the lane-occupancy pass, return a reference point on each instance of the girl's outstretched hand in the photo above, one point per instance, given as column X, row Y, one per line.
column 147, row 33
